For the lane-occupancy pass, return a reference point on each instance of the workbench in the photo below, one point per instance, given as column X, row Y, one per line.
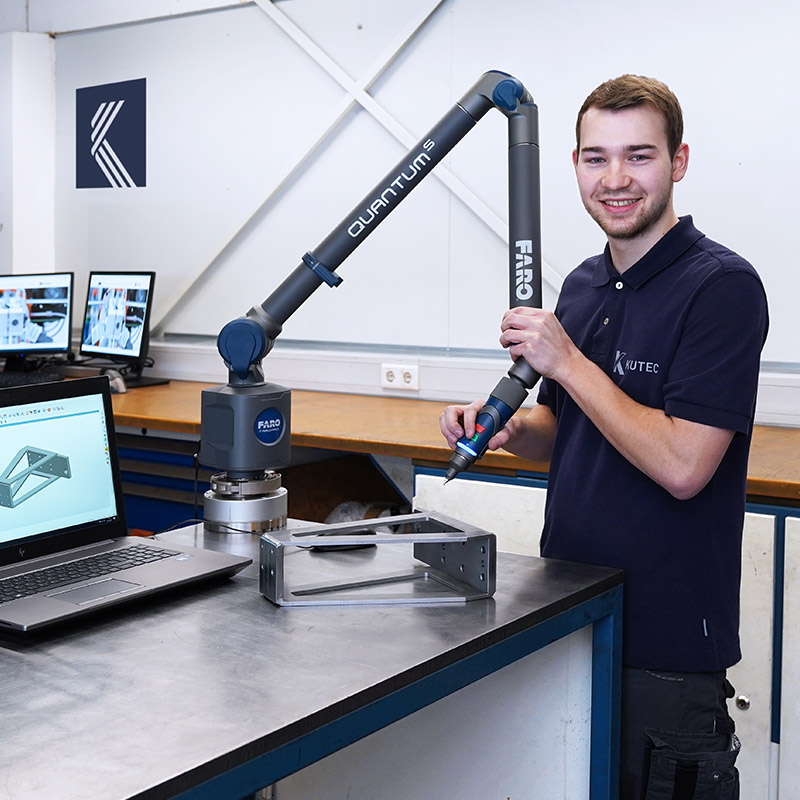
column 213, row 692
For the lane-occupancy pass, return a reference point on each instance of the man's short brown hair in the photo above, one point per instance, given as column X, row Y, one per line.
column 629, row 91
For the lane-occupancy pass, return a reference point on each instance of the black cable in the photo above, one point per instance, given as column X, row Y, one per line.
column 196, row 462
column 185, row 522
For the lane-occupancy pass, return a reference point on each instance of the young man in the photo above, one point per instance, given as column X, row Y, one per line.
column 650, row 369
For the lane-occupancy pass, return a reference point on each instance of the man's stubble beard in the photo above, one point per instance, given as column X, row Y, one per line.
column 642, row 225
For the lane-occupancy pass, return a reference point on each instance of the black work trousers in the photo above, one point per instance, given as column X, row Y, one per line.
column 678, row 740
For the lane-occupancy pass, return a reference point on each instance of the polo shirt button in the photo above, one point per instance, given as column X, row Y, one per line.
column 619, row 284
column 605, row 321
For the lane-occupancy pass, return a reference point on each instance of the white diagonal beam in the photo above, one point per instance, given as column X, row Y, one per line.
column 368, row 102
column 329, row 123
column 356, row 92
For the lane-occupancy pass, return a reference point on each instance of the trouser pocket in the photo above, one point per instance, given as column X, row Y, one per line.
column 692, row 766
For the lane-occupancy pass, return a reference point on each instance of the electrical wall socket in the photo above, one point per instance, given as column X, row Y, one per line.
column 400, row 376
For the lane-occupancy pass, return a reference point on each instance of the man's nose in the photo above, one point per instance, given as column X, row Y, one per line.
column 615, row 176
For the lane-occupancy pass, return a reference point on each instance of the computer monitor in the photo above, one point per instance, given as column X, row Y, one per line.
column 35, row 318
column 116, row 322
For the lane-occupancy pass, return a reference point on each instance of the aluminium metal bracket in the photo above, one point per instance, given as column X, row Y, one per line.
column 458, row 562
column 41, row 464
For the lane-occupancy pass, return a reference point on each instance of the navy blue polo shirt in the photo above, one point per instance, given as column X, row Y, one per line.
column 680, row 330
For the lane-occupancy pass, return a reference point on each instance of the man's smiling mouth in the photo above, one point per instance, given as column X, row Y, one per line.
column 619, row 203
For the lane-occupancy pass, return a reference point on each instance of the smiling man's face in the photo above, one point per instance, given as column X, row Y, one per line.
column 625, row 172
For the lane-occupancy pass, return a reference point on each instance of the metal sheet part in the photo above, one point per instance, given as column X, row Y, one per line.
column 425, row 558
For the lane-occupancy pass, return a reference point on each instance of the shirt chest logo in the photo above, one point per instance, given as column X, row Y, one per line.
column 623, row 365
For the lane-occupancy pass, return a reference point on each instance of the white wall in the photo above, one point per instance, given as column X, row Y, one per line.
column 257, row 148
column 27, row 152
column 6, row 153
column 13, row 16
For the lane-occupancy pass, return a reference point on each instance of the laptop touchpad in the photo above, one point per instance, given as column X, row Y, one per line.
column 94, row 591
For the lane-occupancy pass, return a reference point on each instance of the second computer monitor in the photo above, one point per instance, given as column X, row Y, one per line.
column 116, row 322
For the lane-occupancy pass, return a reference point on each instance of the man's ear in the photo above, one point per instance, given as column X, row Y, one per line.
column 680, row 163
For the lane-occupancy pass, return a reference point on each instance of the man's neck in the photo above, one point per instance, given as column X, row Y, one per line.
column 626, row 252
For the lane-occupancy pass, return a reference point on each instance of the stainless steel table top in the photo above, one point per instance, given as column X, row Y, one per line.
column 154, row 697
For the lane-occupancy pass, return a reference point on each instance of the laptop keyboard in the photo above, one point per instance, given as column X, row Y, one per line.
column 82, row 569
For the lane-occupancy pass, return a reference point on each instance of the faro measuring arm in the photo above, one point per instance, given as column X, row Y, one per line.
column 245, row 341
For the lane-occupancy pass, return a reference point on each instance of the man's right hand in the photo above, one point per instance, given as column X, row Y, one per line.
column 458, row 421
column 530, row 436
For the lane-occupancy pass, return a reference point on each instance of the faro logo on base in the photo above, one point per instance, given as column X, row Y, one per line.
column 270, row 426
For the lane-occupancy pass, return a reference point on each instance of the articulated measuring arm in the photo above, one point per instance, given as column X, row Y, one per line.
column 245, row 341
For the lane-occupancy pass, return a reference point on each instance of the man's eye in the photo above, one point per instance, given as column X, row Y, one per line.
column 594, row 160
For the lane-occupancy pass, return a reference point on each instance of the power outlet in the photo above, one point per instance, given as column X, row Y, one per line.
column 400, row 376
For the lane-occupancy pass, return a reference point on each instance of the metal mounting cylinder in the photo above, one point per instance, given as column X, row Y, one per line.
column 249, row 506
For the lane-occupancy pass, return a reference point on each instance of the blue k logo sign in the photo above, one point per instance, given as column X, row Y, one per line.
column 110, row 135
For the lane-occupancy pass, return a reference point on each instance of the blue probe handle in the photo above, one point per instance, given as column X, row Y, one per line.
column 491, row 418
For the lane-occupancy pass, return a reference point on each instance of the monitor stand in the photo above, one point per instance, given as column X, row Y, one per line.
column 134, row 379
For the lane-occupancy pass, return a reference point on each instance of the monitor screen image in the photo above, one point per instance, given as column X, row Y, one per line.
column 35, row 313
column 117, row 314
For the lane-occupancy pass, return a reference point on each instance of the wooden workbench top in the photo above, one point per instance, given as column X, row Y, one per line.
column 409, row 428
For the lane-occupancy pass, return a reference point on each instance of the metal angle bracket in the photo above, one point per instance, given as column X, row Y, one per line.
column 450, row 561
column 40, row 464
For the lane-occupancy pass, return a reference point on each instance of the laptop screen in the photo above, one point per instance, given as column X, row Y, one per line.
column 59, row 476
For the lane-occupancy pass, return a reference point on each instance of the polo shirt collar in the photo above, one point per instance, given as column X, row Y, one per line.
column 676, row 241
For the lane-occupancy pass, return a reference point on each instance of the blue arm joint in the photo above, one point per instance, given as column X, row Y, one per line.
column 242, row 342
column 507, row 93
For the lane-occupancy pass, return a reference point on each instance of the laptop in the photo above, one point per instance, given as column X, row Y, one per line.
column 64, row 544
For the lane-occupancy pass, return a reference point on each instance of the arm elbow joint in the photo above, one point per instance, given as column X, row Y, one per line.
column 680, row 493
column 686, row 486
